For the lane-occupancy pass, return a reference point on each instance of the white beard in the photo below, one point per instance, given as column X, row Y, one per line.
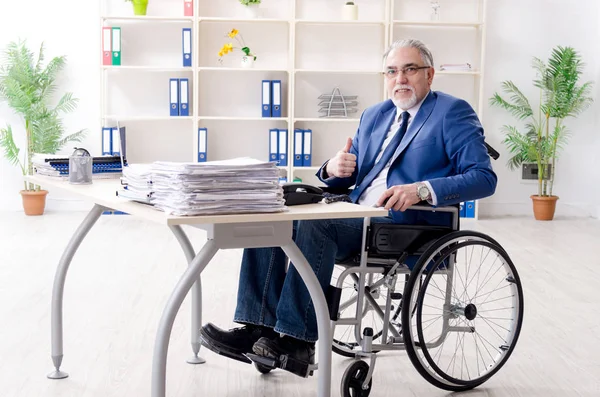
column 407, row 103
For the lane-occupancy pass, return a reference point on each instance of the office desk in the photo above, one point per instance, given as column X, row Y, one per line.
column 223, row 231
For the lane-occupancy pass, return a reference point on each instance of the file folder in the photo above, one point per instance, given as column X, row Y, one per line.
column 184, row 105
column 298, row 142
column 118, row 142
column 107, row 45
column 274, row 145
column 202, row 144
column 174, row 96
column 106, row 141
column 116, row 46
column 266, row 98
column 307, row 148
column 470, row 209
column 283, row 146
column 187, row 46
column 188, row 8
column 276, row 98
column 461, row 211
column 115, row 142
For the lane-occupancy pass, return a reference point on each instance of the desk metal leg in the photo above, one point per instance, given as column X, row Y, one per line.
column 188, row 249
column 59, row 286
column 322, row 312
column 161, row 345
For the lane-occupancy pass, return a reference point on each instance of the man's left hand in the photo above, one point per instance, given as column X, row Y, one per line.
column 400, row 197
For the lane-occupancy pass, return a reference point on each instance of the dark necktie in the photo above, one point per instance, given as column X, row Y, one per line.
column 388, row 152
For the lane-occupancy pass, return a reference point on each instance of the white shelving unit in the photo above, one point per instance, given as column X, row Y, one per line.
column 303, row 43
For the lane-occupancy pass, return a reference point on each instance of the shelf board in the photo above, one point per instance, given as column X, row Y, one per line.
column 218, row 118
column 458, row 72
column 224, row 69
column 261, row 20
column 307, row 168
column 338, row 22
column 149, row 68
column 328, row 119
column 147, row 18
column 147, row 118
column 436, row 23
column 338, row 71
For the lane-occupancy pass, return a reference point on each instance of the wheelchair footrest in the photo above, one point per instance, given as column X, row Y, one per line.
column 285, row 362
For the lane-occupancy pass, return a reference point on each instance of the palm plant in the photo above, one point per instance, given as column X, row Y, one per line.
column 545, row 134
column 28, row 88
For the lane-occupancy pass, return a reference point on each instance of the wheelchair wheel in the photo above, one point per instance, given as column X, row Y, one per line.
column 469, row 311
column 344, row 335
column 353, row 379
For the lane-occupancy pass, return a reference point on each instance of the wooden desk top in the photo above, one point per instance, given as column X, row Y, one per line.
column 103, row 192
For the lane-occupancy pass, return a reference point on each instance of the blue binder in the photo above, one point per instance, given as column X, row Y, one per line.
column 184, row 97
column 174, row 96
column 470, row 209
column 307, row 148
column 283, row 146
column 186, row 44
column 274, row 145
column 461, row 211
column 266, row 98
column 202, row 144
column 276, row 98
column 106, row 141
column 115, row 142
column 298, row 143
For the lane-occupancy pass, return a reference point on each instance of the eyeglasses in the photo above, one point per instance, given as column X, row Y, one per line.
column 407, row 71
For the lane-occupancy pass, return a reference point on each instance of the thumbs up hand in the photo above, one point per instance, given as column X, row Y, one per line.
column 343, row 164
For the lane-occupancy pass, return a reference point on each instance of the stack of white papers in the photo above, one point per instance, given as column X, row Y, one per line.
column 137, row 183
column 456, row 66
column 241, row 185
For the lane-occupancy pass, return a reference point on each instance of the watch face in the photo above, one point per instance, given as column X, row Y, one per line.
column 423, row 192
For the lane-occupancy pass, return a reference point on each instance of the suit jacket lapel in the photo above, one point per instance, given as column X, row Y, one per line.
column 414, row 127
column 382, row 125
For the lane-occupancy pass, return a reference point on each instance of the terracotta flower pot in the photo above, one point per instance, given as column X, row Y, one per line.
column 544, row 207
column 34, row 202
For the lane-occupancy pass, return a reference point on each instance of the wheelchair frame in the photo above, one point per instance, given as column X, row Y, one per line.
column 358, row 376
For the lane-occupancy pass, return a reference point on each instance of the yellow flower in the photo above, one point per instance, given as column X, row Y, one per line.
column 228, row 48
column 221, row 53
column 233, row 33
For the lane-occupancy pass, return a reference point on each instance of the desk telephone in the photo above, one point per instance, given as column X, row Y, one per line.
column 301, row 193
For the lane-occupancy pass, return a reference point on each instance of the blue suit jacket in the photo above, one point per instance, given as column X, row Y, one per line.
column 444, row 145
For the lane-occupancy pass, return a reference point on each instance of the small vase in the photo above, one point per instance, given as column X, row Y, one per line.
column 350, row 12
column 253, row 10
column 140, row 7
column 247, row 61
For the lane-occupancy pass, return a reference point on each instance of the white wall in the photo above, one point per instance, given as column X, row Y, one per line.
column 77, row 37
column 517, row 30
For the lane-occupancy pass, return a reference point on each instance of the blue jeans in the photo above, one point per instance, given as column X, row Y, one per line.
column 269, row 296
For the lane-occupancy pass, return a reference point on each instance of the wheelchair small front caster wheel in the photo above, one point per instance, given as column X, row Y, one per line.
column 263, row 369
column 353, row 379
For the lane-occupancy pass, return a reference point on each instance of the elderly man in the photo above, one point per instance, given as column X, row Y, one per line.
column 419, row 145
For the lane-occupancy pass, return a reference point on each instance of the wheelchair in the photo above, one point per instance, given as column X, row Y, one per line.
column 451, row 298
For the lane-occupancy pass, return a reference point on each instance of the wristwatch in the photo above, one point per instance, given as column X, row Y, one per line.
column 423, row 192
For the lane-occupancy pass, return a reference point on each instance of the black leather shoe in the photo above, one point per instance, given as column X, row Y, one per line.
column 233, row 343
column 293, row 355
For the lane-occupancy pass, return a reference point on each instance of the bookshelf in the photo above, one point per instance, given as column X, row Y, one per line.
column 303, row 43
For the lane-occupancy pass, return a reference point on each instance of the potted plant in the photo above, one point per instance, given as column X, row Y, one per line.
column 247, row 59
column 139, row 6
column 251, row 6
column 28, row 87
column 545, row 131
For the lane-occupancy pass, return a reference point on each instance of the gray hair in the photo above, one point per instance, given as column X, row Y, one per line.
column 411, row 43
